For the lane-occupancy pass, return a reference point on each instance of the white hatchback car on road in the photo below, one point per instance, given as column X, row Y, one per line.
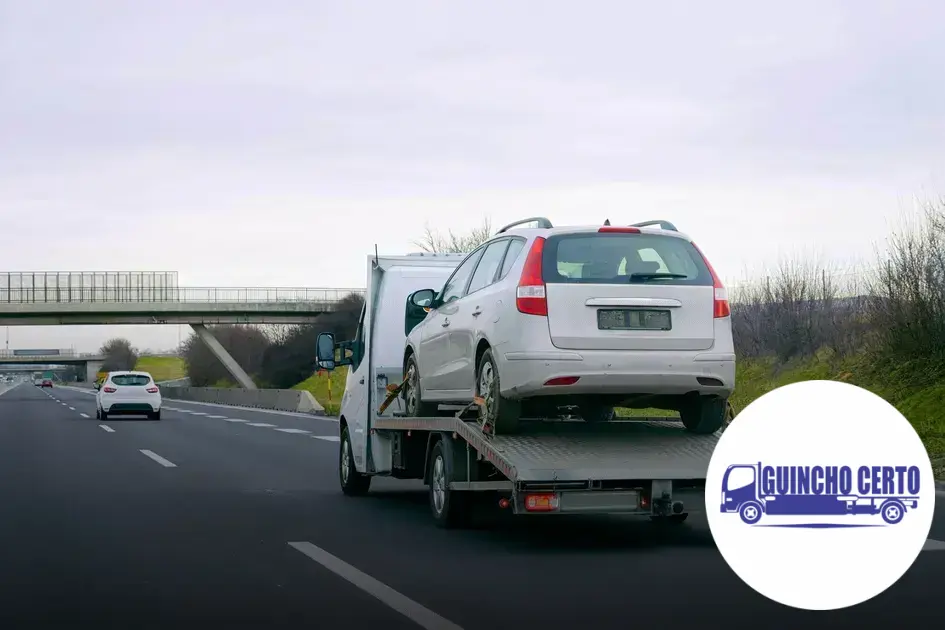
column 542, row 321
column 128, row 393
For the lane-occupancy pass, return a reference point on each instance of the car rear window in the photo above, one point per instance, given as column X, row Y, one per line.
column 594, row 258
column 131, row 379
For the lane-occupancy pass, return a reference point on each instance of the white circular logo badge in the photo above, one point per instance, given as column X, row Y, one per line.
column 820, row 495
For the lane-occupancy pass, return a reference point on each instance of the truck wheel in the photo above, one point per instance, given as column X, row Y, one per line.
column 703, row 415
column 502, row 413
column 450, row 509
column 750, row 512
column 892, row 511
column 595, row 412
column 414, row 406
column 353, row 483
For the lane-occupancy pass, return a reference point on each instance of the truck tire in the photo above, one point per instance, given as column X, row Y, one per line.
column 703, row 415
column 353, row 483
column 450, row 509
column 595, row 412
column 413, row 405
column 502, row 413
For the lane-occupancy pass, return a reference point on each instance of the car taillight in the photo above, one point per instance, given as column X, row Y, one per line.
column 720, row 307
column 530, row 294
column 109, row 390
column 152, row 390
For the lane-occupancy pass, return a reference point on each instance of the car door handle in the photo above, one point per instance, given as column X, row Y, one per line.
column 445, row 323
column 477, row 312
column 361, row 382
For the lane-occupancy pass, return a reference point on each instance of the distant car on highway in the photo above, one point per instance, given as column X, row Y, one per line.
column 38, row 379
column 47, row 382
column 128, row 393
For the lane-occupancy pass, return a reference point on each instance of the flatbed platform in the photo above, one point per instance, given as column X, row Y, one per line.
column 574, row 451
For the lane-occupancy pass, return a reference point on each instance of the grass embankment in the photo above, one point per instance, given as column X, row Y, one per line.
column 162, row 368
column 922, row 401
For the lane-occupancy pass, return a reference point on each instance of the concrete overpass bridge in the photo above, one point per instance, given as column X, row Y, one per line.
column 45, row 360
column 154, row 297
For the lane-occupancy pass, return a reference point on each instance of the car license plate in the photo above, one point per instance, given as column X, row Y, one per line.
column 633, row 319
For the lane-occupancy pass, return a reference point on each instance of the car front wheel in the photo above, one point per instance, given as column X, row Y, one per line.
column 500, row 412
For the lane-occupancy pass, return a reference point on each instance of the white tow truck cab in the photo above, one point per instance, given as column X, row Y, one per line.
column 645, row 466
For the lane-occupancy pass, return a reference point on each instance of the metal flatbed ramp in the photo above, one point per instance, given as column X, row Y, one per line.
column 577, row 451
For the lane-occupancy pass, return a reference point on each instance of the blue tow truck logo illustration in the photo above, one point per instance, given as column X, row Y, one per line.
column 754, row 490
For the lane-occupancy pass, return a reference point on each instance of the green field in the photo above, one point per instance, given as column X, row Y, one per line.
column 163, row 368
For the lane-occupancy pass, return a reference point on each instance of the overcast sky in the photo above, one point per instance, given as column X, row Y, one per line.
column 274, row 143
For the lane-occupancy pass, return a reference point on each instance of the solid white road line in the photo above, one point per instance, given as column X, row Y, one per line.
column 158, row 458
column 259, row 424
column 420, row 615
column 106, row 428
column 293, row 430
column 84, row 415
column 327, row 438
column 933, row 545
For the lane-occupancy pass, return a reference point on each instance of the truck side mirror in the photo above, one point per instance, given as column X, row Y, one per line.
column 419, row 303
column 325, row 351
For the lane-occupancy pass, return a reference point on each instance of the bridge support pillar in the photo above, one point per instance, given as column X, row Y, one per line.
column 92, row 369
column 220, row 353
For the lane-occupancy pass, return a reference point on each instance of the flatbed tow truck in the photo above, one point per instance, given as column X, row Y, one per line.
column 649, row 467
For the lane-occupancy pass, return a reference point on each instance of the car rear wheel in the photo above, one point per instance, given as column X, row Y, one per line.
column 102, row 415
column 155, row 415
column 703, row 415
column 502, row 413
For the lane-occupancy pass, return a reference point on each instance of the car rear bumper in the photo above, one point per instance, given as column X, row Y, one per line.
column 524, row 374
column 131, row 408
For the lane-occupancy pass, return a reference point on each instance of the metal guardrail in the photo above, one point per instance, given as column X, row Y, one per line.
column 261, row 295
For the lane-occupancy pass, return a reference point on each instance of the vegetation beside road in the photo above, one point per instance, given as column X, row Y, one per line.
column 162, row 368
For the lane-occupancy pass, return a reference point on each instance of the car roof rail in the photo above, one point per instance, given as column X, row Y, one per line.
column 664, row 225
column 541, row 221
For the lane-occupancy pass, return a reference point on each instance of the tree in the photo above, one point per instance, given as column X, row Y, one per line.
column 119, row 355
column 290, row 360
column 452, row 243
column 246, row 344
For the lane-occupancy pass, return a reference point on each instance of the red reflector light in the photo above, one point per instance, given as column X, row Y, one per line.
column 152, row 390
column 530, row 296
column 616, row 229
column 563, row 380
column 504, row 503
column 547, row 502
column 109, row 390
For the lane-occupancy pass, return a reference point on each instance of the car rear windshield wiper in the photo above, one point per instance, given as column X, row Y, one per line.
column 656, row 276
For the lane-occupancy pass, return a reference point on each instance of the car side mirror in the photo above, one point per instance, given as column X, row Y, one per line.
column 325, row 351
column 97, row 385
column 419, row 303
column 423, row 298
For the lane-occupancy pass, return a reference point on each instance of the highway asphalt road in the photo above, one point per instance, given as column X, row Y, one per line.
column 233, row 518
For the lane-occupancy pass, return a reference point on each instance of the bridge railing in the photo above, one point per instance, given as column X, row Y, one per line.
column 263, row 295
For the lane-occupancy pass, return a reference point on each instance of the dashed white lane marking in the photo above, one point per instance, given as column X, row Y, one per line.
column 71, row 408
column 933, row 545
column 158, row 458
column 327, row 438
column 197, row 413
column 293, row 430
column 259, row 424
column 420, row 615
column 234, row 420
column 84, row 415
column 108, row 429
column 217, row 417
